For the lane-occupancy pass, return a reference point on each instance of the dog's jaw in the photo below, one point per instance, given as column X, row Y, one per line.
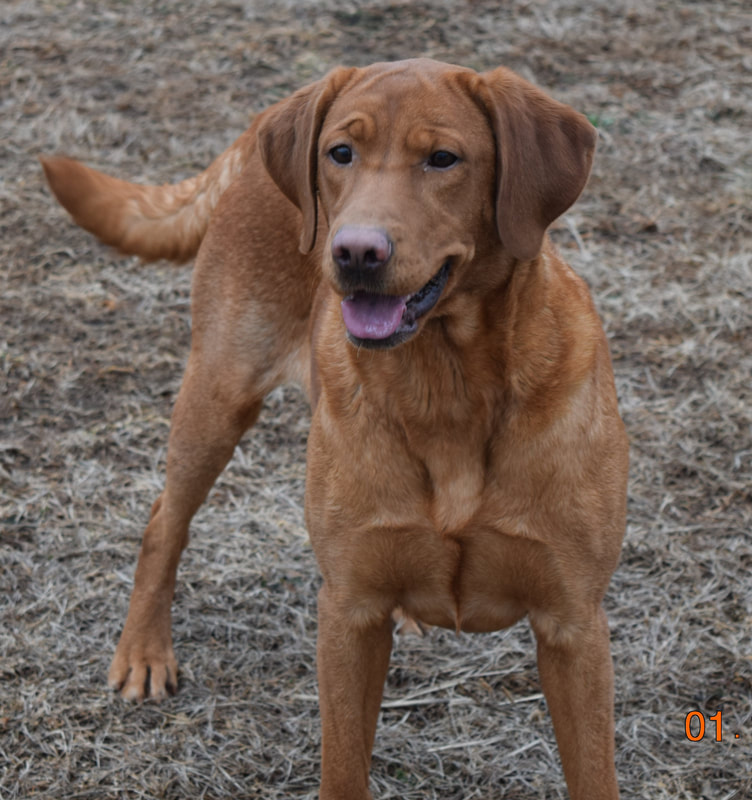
column 381, row 322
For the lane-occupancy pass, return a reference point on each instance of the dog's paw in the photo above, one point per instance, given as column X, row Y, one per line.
column 143, row 672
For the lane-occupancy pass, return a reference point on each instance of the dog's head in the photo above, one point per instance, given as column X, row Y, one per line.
column 420, row 169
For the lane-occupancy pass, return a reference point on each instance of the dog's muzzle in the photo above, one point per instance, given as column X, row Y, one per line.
column 381, row 321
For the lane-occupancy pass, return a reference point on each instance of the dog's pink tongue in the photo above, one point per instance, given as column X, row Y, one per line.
column 372, row 316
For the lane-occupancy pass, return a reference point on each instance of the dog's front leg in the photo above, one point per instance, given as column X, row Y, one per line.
column 353, row 656
column 577, row 677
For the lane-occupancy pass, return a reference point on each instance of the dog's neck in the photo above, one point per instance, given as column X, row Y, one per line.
column 439, row 380
column 482, row 372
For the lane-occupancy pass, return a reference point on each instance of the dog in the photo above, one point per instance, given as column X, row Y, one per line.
column 380, row 237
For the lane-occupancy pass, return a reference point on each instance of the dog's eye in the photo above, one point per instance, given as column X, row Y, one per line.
column 341, row 154
column 442, row 159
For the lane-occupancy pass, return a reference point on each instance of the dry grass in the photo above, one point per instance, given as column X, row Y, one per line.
column 91, row 350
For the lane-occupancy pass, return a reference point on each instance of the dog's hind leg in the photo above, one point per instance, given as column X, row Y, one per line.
column 207, row 423
column 250, row 329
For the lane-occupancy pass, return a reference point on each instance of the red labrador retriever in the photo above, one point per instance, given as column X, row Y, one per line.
column 380, row 237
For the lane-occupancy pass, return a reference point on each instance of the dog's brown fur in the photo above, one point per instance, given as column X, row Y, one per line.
column 472, row 475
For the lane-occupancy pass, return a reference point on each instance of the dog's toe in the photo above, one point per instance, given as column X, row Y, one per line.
column 138, row 679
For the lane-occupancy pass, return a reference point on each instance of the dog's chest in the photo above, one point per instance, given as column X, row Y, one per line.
column 457, row 478
column 417, row 527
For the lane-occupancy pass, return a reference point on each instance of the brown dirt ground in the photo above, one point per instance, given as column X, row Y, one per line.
column 91, row 351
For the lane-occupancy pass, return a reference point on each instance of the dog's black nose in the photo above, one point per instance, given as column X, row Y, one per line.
column 361, row 248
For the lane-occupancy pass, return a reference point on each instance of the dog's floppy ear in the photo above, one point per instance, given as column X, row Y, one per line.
column 544, row 152
column 288, row 140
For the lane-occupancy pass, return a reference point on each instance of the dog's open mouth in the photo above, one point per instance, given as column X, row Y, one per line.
column 385, row 320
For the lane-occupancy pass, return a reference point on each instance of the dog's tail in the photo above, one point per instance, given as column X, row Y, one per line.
column 148, row 221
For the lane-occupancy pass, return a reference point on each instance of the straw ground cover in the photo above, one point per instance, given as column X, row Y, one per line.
column 92, row 347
